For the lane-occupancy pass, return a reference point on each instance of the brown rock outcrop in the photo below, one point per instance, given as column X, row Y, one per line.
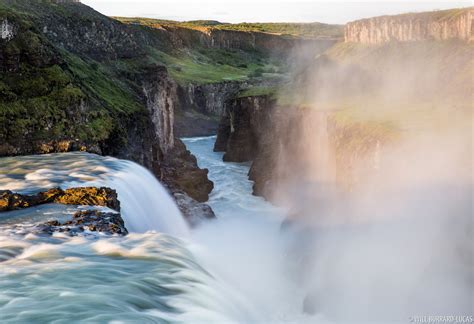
column 90, row 220
column 90, row 196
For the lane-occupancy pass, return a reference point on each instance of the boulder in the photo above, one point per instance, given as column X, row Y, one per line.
column 90, row 220
column 194, row 211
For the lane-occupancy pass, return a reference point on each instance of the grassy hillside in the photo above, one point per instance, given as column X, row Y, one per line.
column 49, row 93
column 308, row 30
column 437, row 15
column 198, row 64
column 202, row 65
column 80, row 75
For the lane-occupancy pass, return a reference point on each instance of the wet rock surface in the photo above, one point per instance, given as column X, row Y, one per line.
column 179, row 171
column 193, row 211
column 91, row 220
column 241, row 127
column 88, row 220
column 90, row 196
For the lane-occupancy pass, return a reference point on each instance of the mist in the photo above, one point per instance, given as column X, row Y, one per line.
column 376, row 172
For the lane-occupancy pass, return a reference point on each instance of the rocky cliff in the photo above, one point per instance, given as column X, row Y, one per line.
column 241, row 40
column 346, row 109
column 284, row 144
column 73, row 79
column 437, row 25
column 243, row 127
column 202, row 104
column 209, row 98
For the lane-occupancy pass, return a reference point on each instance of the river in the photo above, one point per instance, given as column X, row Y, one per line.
column 229, row 270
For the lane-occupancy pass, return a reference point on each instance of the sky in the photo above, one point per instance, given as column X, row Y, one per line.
column 233, row 11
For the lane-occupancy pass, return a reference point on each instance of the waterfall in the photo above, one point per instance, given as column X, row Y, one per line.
column 145, row 203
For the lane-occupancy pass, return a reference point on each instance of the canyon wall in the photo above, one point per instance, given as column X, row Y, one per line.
column 242, row 126
column 241, row 40
column 437, row 25
column 201, row 105
column 209, row 98
column 273, row 137
column 65, row 86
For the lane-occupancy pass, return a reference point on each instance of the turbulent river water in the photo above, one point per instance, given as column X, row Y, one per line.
column 226, row 270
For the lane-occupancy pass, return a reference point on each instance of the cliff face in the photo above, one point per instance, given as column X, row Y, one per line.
column 286, row 145
column 439, row 25
column 240, row 40
column 209, row 98
column 200, row 106
column 242, row 127
column 160, row 94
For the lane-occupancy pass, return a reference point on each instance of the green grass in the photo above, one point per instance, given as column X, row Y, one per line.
column 35, row 93
column 436, row 15
column 271, row 91
column 53, row 94
column 99, row 80
column 308, row 30
column 202, row 66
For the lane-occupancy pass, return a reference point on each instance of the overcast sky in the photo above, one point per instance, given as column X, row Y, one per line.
column 265, row 10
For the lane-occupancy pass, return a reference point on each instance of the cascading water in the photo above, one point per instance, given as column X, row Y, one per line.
column 236, row 269
column 146, row 206
column 140, row 278
column 229, row 270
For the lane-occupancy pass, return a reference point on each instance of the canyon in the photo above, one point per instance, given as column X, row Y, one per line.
column 130, row 89
column 200, row 171
column 101, row 93
column 360, row 128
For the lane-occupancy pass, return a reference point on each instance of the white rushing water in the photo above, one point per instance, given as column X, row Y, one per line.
column 146, row 204
column 238, row 268
column 226, row 270
column 141, row 278
column 245, row 246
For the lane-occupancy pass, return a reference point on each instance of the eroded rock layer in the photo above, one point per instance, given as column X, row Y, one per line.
column 437, row 25
column 89, row 196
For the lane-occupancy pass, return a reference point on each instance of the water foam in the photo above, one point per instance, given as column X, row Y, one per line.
column 145, row 203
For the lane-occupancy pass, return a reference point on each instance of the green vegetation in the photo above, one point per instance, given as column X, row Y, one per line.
column 35, row 92
column 99, row 80
column 309, row 30
column 46, row 93
column 271, row 91
column 440, row 15
column 202, row 65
